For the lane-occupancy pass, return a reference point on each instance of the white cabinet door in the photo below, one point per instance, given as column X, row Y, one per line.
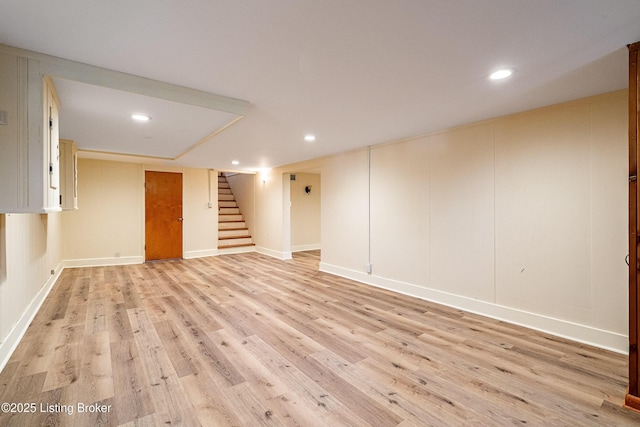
column 52, row 134
column 29, row 151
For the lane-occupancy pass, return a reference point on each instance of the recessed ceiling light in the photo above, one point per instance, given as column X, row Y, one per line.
column 309, row 138
column 235, row 162
column 140, row 117
column 502, row 73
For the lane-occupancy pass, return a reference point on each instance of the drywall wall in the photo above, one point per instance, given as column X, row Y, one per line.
column 345, row 211
column 270, row 199
column 30, row 262
column 200, row 221
column 305, row 212
column 108, row 227
column 521, row 218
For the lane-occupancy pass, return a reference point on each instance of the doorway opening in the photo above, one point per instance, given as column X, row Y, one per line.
column 305, row 209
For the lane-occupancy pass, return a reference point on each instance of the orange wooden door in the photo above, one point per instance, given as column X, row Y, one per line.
column 633, row 392
column 163, row 215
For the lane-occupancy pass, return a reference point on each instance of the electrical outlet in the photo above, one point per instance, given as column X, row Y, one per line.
column 117, row 254
column 210, row 205
column 369, row 268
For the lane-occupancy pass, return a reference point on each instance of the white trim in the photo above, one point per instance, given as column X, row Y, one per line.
column 201, row 253
column 273, row 253
column 9, row 345
column 607, row 340
column 99, row 262
column 302, row 248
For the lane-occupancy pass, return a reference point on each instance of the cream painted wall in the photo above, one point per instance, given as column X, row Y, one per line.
column 561, row 212
column 521, row 218
column 109, row 222
column 345, row 210
column 110, row 218
column 305, row 212
column 200, row 221
column 400, row 207
column 269, row 222
column 30, row 250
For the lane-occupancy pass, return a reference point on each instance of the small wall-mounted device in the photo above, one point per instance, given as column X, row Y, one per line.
column 307, row 189
column 4, row 118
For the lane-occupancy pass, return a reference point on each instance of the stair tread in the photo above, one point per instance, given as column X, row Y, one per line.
column 236, row 246
column 229, row 215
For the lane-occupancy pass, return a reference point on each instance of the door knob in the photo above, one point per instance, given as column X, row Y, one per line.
column 180, row 219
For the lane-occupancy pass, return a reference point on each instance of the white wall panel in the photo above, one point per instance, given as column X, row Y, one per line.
column 462, row 212
column 345, row 210
column 400, row 212
column 522, row 218
column 543, row 215
column 31, row 252
column 609, row 215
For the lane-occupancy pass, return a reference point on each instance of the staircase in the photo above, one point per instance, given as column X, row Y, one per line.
column 233, row 234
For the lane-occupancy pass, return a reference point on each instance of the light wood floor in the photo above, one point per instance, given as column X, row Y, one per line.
column 248, row 340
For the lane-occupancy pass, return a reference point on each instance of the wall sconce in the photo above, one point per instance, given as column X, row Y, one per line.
column 307, row 189
column 263, row 176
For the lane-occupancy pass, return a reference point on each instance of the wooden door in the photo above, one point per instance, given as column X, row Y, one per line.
column 633, row 395
column 163, row 215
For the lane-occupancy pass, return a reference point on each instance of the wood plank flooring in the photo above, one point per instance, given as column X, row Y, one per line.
column 248, row 340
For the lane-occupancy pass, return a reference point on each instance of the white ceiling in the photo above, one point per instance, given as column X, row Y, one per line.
column 100, row 120
column 354, row 73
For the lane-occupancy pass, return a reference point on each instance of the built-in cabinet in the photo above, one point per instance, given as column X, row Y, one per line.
column 29, row 138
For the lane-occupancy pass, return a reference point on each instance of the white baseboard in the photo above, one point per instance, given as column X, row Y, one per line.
column 8, row 346
column 99, row 262
column 302, row 248
column 607, row 340
column 273, row 253
column 201, row 253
